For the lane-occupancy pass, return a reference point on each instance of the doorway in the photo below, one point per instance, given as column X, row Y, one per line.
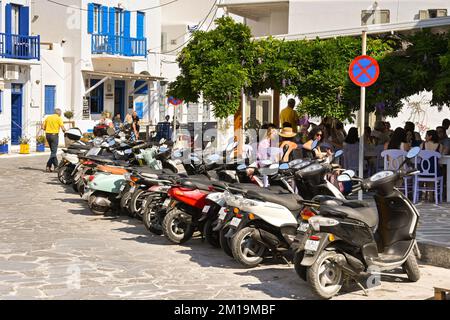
column 16, row 113
column 119, row 99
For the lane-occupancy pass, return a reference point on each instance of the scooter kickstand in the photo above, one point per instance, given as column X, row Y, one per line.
column 286, row 260
column 366, row 293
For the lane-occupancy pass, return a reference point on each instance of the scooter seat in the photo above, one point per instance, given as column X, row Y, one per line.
column 348, row 203
column 289, row 200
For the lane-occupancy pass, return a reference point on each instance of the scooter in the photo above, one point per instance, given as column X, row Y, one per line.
column 349, row 238
column 266, row 223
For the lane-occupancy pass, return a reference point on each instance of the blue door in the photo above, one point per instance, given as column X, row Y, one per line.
column 16, row 113
column 119, row 99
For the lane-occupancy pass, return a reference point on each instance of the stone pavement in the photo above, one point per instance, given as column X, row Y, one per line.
column 51, row 247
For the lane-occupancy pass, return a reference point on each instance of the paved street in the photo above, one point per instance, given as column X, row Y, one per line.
column 52, row 247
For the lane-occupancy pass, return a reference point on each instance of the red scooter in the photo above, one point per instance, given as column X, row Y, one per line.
column 185, row 209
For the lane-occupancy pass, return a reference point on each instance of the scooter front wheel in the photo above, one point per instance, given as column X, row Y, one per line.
column 151, row 218
column 213, row 237
column 325, row 276
column 175, row 228
column 411, row 268
column 64, row 175
column 246, row 250
column 225, row 243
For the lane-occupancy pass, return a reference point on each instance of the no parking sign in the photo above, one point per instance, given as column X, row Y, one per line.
column 364, row 71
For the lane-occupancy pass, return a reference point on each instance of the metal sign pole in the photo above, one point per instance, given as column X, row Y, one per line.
column 362, row 119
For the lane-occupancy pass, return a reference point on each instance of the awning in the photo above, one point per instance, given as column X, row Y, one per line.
column 122, row 75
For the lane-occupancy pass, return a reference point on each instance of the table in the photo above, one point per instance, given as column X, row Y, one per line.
column 445, row 160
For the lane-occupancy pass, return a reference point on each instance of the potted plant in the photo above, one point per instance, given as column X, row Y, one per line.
column 24, row 145
column 69, row 115
column 40, row 143
column 4, row 145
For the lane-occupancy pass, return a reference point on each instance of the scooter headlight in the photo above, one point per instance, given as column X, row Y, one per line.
column 316, row 222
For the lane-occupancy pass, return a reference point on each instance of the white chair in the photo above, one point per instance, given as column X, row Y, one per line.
column 428, row 164
column 393, row 159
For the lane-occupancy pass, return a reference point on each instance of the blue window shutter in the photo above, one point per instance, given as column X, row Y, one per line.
column 90, row 18
column 8, row 19
column 50, row 92
column 127, row 32
column 24, row 21
column 104, row 20
column 140, row 25
column 8, row 39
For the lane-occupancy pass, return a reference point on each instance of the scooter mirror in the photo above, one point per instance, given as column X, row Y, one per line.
column 349, row 173
column 338, row 154
column 414, row 152
column 344, row 178
column 284, row 167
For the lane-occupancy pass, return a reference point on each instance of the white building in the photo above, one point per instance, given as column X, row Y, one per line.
column 94, row 58
column 19, row 51
column 297, row 19
column 178, row 23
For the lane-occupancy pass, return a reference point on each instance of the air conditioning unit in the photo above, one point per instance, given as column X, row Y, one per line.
column 12, row 72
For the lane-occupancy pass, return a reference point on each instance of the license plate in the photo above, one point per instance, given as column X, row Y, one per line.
column 222, row 214
column 122, row 188
column 312, row 245
column 132, row 189
column 167, row 202
column 303, row 227
column 206, row 209
column 235, row 222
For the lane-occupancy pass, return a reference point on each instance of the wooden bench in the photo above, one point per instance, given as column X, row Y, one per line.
column 440, row 293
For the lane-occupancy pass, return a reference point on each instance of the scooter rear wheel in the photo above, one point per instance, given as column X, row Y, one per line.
column 175, row 229
column 125, row 202
column 150, row 218
column 64, row 175
column 246, row 250
column 325, row 276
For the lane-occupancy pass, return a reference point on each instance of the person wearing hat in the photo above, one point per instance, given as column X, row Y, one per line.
column 288, row 146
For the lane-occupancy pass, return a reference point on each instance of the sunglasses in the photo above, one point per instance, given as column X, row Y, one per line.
column 318, row 135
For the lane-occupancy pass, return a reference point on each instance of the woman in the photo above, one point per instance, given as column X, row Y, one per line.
column 106, row 120
column 315, row 134
column 398, row 141
column 432, row 142
column 288, row 146
column 268, row 145
column 351, row 150
column 117, row 122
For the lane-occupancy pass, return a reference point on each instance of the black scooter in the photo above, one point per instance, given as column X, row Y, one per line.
column 349, row 238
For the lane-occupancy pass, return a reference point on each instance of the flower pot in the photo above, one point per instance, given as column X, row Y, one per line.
column 40, row 147
column 4, row 149
column 24, row 149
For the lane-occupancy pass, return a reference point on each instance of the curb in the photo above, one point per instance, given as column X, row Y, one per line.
column 34, row 154
column 434, row 254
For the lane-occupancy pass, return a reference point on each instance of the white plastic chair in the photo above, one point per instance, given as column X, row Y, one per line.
column 428, row 163
column 393, row 159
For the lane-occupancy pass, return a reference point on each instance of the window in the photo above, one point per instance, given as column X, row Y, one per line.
column 163, row 41
column 96, row 98
column 375, row 17
column 50, row 99
column 432, row 13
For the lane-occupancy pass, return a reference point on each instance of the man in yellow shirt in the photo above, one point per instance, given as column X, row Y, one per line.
column 52, row 125
column 289, row 115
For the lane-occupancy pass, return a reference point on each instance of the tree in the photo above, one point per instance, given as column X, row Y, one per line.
column 222, row 64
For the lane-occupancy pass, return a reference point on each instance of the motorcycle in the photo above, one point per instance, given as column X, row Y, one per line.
column 349, row 238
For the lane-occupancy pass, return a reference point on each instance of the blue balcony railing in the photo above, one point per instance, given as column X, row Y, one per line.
column 119, row 45
column 14, row 46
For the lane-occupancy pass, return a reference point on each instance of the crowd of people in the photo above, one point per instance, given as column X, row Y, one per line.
column 332, row 136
